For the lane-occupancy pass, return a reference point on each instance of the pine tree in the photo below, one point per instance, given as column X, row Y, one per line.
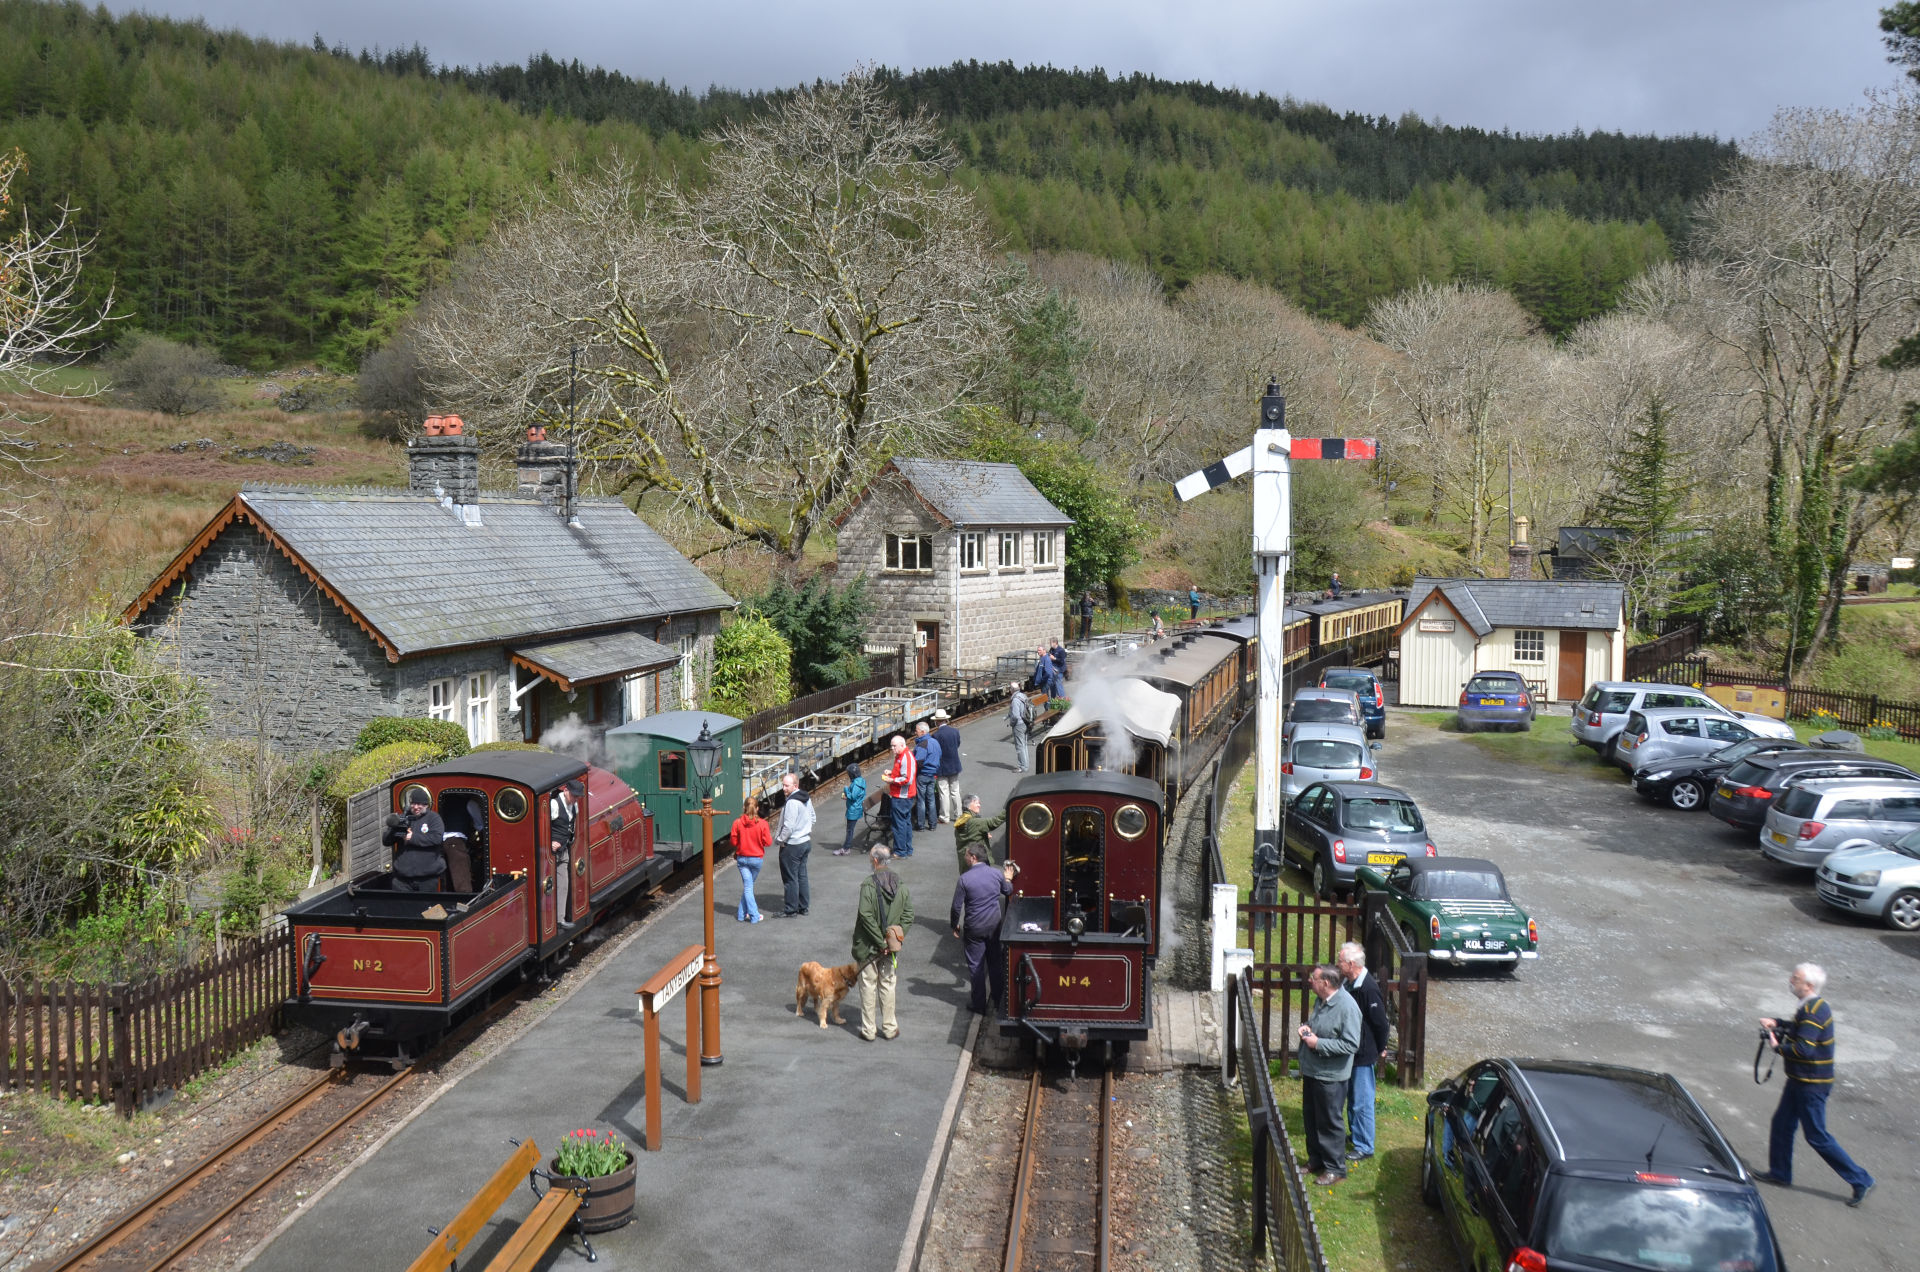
column 1647, row 502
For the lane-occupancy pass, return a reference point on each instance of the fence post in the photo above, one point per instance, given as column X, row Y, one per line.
column 120, row 1065
column 1257, row 1123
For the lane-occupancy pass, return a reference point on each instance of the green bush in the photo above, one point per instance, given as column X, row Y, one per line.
column 449, row 737
column 382, row 765
column 508, row 746
column 752, row 667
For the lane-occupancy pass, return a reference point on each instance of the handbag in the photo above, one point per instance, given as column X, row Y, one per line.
column 896, row 937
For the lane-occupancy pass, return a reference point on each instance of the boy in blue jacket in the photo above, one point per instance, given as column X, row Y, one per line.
column 856, row 793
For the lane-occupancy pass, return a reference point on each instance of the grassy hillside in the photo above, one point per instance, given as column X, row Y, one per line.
column 284, row 202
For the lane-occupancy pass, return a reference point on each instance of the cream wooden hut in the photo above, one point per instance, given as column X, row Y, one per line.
column 1559, row 635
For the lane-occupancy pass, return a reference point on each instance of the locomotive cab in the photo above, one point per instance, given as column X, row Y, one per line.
column 1080, row 933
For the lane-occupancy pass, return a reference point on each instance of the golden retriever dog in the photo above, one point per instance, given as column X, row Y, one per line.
column 825, row 987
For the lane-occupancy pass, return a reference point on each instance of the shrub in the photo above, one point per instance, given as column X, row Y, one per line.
column 824, row 626
column 382, row 765
column 392, row 390
column 158, row 374
column 752, row 667
column 449, row 737
column 510, row 746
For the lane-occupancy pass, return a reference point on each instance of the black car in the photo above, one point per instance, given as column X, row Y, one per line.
column 1744, row 792
column 1565, row 1166
column 1685, row 782
column 1334, row 828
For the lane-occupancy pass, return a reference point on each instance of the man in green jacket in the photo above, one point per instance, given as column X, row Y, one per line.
column 971, row 828
column 884, row 903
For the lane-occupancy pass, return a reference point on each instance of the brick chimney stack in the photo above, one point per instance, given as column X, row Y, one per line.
column 444, row 461
column 1520, row 554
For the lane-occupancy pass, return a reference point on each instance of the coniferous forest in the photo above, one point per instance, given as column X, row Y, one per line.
column 283, row 202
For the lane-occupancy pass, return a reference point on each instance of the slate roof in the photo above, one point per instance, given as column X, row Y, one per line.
column 1489, row 603
column 418, row 576
column 974, row 494
column 681, row 725
column 579, row 660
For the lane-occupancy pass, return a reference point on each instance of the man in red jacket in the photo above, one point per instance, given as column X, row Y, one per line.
column 902, row 787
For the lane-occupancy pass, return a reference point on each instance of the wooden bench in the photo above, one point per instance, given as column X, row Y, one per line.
column 529, row 1241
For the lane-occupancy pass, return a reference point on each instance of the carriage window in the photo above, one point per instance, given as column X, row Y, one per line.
column 511, row 804
column 1130, row 821
column 1036, row 819
column 673, row 770
column 1083, row 864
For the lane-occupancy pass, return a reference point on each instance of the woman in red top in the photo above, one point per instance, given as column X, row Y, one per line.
column 751, row 836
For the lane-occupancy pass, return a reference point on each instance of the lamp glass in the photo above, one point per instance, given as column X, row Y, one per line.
column 705, row 751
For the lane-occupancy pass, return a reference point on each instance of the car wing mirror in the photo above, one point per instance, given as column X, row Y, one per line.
column 1443, row 1098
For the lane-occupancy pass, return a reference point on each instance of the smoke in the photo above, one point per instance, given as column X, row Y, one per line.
column 1170, row 938
column 1096, row 693
column 571, row 737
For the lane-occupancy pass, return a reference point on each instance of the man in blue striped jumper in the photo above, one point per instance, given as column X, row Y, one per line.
column 1805, row 1043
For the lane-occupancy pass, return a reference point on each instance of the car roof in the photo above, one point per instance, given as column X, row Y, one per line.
column 1315, row 694
column 1610, row 1113
column 1825, row 785
column 1813, row 757
column 1611, row 685
column 1428, row 865
column 1363, row 671
column 1499, row 671
column 1667, row 713
column 1364, row 790
column 1321, row 730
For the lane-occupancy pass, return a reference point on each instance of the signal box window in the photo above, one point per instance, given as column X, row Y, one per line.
column 673, row 770
column 1529, row 647
column 912, row 552
column 1083, row 852
column 1010, row 549
column 973, row 550
column 1042, row 549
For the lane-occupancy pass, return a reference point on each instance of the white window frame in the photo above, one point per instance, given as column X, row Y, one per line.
column 1010, row 548
column 1042, row 549
column 442, row 701
column 479, row 715
column 636, row 691
column 973, row 549
column 922, row 553
column 688, row 646
column 1530, row 651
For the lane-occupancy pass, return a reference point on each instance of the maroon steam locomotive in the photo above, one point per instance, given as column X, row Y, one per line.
column 1081, row 932
column 387, row 972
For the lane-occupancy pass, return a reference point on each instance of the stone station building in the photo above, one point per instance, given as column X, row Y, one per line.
column 964, row 561
column 308, row 611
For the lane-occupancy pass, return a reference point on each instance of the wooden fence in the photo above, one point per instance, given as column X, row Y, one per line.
column 127, row 1042
column 1640, row 660
column 1859, row 711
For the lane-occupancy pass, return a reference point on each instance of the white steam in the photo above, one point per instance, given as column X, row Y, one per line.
column 572, row 737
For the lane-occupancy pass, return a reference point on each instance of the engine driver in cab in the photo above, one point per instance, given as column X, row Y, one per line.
column 417, row 860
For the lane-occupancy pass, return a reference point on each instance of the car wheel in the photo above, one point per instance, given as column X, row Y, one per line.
column 1903, row 912
column 1687, row 794
column 1320, row 885
column 1429, row 1173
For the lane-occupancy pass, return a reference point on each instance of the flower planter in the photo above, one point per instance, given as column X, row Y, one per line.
column 609, row 1200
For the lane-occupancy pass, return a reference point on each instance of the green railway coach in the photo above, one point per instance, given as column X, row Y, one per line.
column 650, row 755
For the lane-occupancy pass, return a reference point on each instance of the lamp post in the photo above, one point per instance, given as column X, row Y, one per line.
column 705, row 753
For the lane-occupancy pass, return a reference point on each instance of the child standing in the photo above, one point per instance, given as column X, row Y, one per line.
column 856, row 793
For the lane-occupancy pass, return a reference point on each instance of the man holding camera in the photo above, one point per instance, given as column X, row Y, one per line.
column 1805, row 1043
column 1327, row 1043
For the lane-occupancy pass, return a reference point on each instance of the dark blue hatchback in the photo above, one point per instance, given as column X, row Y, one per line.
column 1496, row 700
column 1365, row 686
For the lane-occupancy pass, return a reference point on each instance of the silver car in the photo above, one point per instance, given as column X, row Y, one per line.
column 1323, row 706
column 1602, row 714
column 1882, row 882
column 1809, row 820
column 1658, row 735
column 1326, row 753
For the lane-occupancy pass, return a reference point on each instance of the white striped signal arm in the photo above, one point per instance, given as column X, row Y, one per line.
column 1214, row 476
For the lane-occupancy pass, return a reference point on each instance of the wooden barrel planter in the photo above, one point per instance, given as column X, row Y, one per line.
column 608, row 1203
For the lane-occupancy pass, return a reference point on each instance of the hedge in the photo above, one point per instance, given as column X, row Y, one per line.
column 508, row 746
column 447, row 737
column 382, row 765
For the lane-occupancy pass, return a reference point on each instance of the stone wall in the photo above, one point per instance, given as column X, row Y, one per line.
column 1019, row 608
column 899, row 599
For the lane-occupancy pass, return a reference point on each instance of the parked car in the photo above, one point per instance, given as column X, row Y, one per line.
column 1326, row 753
column 1495, row 699
column 1746, row 791
column 1457, row 909
column 1602, row 714
column 1560, row 1164
column 1323, row 706
column 1808, row 820
column 1654, row 734
column 1686, row 783
column 1881, row 880
column 1334, row 828
column 1372, row 694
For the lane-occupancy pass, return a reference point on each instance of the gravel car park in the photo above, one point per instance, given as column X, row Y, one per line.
column 1808, row 820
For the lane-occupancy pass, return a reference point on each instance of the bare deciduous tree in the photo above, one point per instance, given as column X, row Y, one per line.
column 755, row 343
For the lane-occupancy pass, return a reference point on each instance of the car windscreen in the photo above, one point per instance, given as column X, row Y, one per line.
column 1747, row 773
column 1908, row 844
column 1320, row 710
column 1494, row 684
column 1325, row 753
column 1459, row 885
column 1660, row 1227
column 1798, row 802
column 1739, row 750
column 1361, row 681
column 1614, row 701
column 1368, row 813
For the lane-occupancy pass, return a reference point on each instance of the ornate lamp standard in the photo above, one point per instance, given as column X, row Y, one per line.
column 705, row 753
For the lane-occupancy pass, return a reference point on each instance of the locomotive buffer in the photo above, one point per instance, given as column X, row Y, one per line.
column 1270, row 460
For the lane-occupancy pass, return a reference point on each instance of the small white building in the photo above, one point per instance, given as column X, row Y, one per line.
column 964, row 561
column 1559, row 635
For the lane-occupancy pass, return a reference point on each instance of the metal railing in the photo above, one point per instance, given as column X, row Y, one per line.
column 1282, row 1217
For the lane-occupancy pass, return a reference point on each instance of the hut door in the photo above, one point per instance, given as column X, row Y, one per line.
column 928, row 660
column 1573, row 666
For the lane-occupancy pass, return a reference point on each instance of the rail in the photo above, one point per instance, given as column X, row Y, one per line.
column 1283, row 1220
column 1064, row 1175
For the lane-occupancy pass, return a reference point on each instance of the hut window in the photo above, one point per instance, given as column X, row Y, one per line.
column 910, row 552
column 973, row 550
column 1529, row 646
column 1043, row 548
column 1009, row 549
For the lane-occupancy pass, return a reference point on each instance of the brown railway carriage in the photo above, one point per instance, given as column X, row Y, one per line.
column 391, row 970
column 1081, row 932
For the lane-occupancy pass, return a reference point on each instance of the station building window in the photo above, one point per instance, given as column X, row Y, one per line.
column 1042, row 549
column 911, row 552
column 973, row 550
column 1529, row 646
column 1009, row 549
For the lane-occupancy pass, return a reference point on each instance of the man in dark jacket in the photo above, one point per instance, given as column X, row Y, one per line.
column 1046, row 675
column 417, row 861
column 948, row 774
column 1806, row 1044
column 1086, row 616
column 1374, row 1025
column 927, row 755
column 979, row 898
column 563, row 815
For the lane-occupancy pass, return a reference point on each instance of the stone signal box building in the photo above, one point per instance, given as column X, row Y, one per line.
column 964, row 561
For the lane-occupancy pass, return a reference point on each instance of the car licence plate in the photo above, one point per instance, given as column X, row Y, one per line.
column 1385, row 858
column 1725, row 792
column 1493, row 702
column 1492, row 946
column 1779, row 838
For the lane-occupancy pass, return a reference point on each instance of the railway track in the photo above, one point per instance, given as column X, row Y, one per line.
column 168, row 1225
column 1062, row 1191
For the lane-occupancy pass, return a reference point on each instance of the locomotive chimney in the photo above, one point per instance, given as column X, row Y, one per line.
column 444, row 461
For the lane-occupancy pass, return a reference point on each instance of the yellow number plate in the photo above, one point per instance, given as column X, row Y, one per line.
column 1779, row 838
column 1385, row 858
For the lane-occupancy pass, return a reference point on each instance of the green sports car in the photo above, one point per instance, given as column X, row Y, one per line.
column 1457, row 910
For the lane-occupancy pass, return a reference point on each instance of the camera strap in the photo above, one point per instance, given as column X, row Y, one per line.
column 1771, row 1056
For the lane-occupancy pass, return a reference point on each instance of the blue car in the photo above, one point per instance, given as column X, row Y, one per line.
column 1366, row 686
column 1496, row 700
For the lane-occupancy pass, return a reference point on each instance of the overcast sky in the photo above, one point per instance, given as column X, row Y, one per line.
column 1665, row 66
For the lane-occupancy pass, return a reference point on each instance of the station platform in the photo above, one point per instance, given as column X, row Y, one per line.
column 809, row 1147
